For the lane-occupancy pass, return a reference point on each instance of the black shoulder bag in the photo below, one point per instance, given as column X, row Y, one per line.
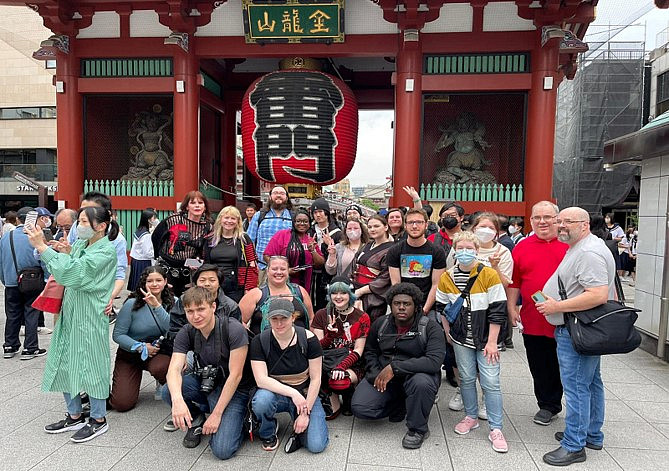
column 31, row 279
column 603, row 330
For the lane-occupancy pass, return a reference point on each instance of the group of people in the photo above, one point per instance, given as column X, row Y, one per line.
column 285, row 310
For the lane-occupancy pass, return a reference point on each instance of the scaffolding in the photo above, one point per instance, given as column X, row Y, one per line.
column 604, row 101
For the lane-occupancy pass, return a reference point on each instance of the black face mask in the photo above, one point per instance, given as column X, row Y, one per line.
column 449, row 222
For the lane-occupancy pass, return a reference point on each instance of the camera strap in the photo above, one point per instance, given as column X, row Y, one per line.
column 220, row 338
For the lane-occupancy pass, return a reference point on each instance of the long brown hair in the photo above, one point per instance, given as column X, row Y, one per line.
column 191, row 195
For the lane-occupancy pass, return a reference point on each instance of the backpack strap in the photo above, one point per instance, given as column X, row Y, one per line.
column 220, row 332
column 266, row 338
column 471, row 281
column 11, row 245
column 302, row 339
column 422, row 330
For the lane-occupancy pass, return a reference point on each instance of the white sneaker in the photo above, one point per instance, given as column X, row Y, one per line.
column 456, row 401
column 44, row 330
column 483, row 412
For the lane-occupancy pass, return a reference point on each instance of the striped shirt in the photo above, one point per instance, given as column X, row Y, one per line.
column 79, row 357
column 460, row 278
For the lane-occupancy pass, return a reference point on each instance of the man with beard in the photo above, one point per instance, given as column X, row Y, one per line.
column 327, row 232
column 451, row 216
column 416, row 260
column 273, row 217
column 534, row 261
column 588, row 275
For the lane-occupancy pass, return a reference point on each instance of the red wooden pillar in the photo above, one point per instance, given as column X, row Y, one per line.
column 186, row 124
column 408, row 120
column 541, row 126
column 229, row 152
column 69, row 130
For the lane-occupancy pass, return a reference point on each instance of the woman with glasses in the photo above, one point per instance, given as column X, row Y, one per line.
column 370, row 269
column 301, row 250
column 255, row 304
column 233, row 252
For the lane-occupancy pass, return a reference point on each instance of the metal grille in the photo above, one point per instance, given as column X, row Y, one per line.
column 477, row 63
column 102, row 68
column 499, row 119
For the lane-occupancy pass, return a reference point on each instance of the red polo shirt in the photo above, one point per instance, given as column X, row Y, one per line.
column 534, row 261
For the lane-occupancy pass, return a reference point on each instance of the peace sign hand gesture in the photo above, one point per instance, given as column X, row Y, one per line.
column 150, row 298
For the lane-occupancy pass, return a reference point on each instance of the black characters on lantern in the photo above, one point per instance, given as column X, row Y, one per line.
column 295, row 116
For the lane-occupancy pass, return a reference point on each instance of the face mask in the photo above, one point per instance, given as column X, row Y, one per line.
column 449, row 222
column 154, row 222
column 353, row 234
column 85, row 232
column 485, row 234
column 513, row 229
column 465, row 256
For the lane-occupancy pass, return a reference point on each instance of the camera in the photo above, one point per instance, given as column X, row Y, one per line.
column 209, row 376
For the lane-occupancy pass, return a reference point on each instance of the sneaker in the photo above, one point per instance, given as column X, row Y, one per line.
column 10, row 351
column 498, row 441
column 29, row 355
column 294, row 443
column 158, row 393
column 413, row 440
column 66, row 425
column 466, row 425
column 44, row 330
column 543, row 417
column 170, row 427
column 91, row 430
column 456, row 401
column 271, row 443
column 483, row 410
column 112, row 317
column 194, row 433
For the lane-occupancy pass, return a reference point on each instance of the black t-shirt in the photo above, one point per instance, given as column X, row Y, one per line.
column 224, row 255
column 292, row 361
column 416, row 263
column 237, row 337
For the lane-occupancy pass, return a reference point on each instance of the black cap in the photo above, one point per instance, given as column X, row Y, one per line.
column 320, row 203
column 354, row 207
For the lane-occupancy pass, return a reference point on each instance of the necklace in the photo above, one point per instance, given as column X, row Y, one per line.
column 346, row 312
column 227, row 240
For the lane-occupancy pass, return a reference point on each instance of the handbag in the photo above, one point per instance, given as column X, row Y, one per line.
column 603, row 330
column 333, row 357
column 51, row 297
column 30, row 280
column 452, row 310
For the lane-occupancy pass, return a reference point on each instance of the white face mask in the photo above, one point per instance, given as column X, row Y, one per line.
column 513, row 229
column 353, row 234
column 485, row 234
column 85, row 232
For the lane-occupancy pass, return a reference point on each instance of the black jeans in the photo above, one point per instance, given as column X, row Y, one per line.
column 416, row 393
column 542, row 357
column 18, row 310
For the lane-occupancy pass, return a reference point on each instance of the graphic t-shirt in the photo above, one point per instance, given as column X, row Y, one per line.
column 359, row 325
column 416, row 263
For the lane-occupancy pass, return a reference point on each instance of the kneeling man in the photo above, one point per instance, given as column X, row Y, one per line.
column 215, row 383
column 403, row 353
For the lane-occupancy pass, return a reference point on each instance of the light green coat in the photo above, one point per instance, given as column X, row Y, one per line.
column 79, row 358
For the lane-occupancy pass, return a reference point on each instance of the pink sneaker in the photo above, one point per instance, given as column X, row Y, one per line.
column 498, row 441
column 466, row 425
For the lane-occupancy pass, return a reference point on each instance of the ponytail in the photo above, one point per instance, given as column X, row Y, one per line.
column 113, row 230
column 99, row 215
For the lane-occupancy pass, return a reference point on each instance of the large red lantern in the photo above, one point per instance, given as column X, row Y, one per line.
column 299, row 126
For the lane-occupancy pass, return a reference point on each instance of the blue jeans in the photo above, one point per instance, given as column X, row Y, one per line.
column 267, row 404
column 98, row 406
column 584, row 394
column 467, row 359
column 228, row 438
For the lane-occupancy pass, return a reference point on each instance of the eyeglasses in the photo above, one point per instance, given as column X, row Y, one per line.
column 568, row 222
column 301, row 221
column 415, row 223
column 543, row 218
column 64, row 228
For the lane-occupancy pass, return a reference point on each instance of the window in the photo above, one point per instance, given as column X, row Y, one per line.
column 28, row 113
column 663, row 87
column 39, row 164
column 50, row 64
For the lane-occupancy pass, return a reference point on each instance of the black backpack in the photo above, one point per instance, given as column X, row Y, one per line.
column 442, row 242
column 265, row 339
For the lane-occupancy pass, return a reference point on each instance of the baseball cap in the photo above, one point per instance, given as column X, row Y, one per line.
column 41, row 211
column 280, row 307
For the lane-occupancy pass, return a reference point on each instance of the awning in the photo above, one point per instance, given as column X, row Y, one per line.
column 650, row 141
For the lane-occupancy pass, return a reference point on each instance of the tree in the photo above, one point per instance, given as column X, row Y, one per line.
column 369, row 203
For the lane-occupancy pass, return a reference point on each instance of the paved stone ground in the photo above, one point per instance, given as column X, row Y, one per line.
column 636, row 428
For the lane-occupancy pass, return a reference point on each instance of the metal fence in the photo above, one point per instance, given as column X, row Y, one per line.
column 131, row 188
column 471, row 192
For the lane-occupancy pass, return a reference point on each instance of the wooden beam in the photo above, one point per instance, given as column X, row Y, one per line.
column 126, row 85
column 476, row 82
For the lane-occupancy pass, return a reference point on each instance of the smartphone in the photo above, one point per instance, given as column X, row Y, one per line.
column 193, row 263
column 31, row 219
column 539, row 297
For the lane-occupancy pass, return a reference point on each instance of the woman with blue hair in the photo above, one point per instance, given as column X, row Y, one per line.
column 342, row 331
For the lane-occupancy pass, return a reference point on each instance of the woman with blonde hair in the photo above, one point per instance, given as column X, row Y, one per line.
column 232, row 251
